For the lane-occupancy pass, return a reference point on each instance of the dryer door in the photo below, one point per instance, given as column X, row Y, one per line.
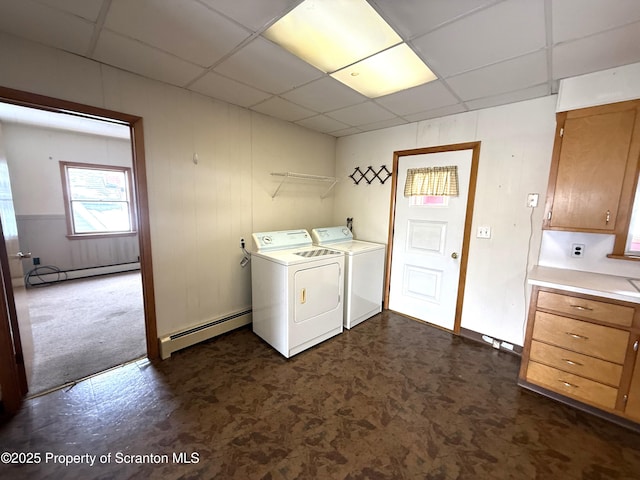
column 318, row 290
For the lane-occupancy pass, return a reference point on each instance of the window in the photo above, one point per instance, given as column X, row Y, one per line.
column 428, row 201
column 98, row 199
column 632, row 247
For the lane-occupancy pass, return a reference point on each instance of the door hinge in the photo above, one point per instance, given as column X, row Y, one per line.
column 19, row 359
column 561, row 132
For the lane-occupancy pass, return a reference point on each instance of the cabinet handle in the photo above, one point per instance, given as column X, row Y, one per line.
column 608, row 216
column 635, row 346
column 575, row 335
column 580, row 307
column 303, row 296
column 571, row 362
column 567, row 384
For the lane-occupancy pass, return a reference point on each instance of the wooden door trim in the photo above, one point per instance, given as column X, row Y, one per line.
column 135, row 123
column 475, row 160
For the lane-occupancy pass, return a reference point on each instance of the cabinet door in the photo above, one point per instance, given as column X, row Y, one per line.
column 591, row 169
column 633, row 400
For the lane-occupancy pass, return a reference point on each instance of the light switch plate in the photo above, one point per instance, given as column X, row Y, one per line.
column 484, row 232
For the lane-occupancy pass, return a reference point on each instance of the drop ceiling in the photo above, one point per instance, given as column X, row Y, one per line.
column 484, row 52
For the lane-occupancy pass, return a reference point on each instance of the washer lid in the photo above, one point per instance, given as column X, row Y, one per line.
column 331, row 234
column 281, row 240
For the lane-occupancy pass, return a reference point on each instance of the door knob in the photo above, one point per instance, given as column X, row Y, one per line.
column 454, row 255
column 21, row 255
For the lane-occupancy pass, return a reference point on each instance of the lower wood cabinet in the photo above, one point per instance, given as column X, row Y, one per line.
column 583, row 350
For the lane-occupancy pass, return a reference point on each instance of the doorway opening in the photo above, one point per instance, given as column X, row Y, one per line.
column 428, row 243
column 12, row 372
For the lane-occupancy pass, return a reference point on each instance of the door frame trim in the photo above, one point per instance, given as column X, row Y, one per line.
column 475, row 160
column 135, row 123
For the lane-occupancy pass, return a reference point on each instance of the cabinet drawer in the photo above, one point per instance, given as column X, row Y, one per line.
column 594, row 340
column 602, row 311
column 576, row 363
column 571, row 385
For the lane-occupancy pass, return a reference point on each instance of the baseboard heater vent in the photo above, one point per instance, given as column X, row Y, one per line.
column 191, row 336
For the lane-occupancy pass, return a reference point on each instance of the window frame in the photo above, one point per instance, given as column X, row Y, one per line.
column 66, row 193
column 628, row 196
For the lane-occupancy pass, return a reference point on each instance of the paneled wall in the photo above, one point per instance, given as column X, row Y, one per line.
column 515, row 156
column 198, row 212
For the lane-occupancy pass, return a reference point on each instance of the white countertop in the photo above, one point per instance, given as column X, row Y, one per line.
column 609, row 286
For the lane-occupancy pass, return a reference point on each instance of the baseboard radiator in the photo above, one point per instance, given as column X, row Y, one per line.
column 46, row 274
column 191, row 336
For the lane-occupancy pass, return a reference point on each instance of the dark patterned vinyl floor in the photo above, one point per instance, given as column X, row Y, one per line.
column 392, row 398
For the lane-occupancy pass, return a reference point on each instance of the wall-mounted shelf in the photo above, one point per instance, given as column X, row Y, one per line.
column 289, row 176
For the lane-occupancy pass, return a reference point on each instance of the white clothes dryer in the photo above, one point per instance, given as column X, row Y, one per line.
column 296, row 290
column 364, row 272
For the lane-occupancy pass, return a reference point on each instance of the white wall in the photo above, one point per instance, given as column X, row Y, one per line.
column 197, row 212
column 33, row 155
column 517, row 141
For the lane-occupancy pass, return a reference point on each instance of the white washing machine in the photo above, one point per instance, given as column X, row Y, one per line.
column 364, row 272
column 296, row 290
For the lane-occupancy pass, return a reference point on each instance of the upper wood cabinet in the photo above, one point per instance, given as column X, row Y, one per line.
column 594, row 168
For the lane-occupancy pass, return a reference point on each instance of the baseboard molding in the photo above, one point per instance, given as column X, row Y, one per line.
column 191, row 336
column 492, row 342
column 75, row 274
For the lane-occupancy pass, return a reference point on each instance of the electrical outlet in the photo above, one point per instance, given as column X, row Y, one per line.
column 532, row 200
column 241, row 242
column 577, row 250
column 484, row 232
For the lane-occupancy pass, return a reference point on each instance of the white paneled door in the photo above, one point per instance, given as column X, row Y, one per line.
column 427, row 243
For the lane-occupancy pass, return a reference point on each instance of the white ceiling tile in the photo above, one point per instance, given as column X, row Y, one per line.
column 138, row 58
column 516, row 74
column 361, row 114
column 506, row 30
column 511, row 97
column 283, row 109
column 43, row 24
column 254, row 15
column 436, row 113
column 416, row 17
column 268, row 67
column 345, row 132
column 322, row 123
column 189, row 30
column 88, row 9
column 222, row 88
column 598, row 52
column 578, row 18
column 392, row 122
column 324, row 95
column 425, row 97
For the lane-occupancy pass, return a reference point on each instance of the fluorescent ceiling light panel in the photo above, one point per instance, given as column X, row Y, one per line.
column 387, row 72
column 331, row 34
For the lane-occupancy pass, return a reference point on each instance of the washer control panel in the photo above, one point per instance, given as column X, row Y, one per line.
column 331, row 234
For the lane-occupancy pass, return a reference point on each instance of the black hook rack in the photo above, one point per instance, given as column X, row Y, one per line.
column 369, row 175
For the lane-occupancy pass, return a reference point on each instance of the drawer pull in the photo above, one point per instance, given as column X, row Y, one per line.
column 567, row 384
column 571, row 362
column 580, row 307
column 575, row 335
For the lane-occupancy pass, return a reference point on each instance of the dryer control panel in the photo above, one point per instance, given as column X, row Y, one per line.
column 281, row 240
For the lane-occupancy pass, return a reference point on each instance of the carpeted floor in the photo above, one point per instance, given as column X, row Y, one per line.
column 82, row 327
